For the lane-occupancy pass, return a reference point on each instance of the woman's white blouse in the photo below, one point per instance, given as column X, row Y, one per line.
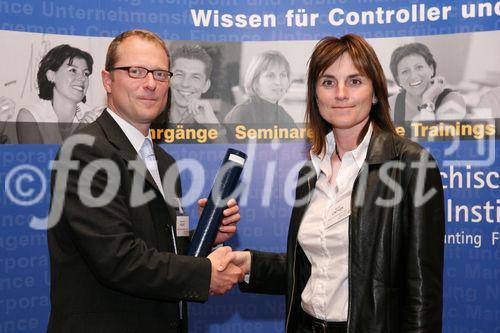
column 323, row 234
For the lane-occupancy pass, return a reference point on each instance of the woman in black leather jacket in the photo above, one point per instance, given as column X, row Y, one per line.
column 365, row 242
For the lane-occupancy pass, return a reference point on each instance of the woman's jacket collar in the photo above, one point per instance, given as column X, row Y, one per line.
column 381, row 148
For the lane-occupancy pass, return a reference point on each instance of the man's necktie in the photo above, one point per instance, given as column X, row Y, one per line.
column 148, row 156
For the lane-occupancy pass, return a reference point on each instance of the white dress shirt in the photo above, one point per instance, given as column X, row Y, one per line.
column 136, row 138
column 323, row 233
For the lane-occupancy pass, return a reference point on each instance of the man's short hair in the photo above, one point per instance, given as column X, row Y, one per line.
column 195, row 52
column 112, row 55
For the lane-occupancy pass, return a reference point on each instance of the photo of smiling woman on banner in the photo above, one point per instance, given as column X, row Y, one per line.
column 63, row 80
column 423, row 95
column 365, row 240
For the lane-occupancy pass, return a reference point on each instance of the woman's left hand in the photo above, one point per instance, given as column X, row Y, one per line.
column 435, row 88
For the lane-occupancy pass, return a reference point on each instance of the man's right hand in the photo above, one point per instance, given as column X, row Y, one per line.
column 223, row 280
column 242, row 259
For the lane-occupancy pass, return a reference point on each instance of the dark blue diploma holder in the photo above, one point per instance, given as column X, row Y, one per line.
column 223, row 187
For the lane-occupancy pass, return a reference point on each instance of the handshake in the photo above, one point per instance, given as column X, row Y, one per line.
column 228, row 268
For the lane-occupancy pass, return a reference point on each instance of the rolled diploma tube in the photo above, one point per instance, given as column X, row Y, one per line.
column 224, row 185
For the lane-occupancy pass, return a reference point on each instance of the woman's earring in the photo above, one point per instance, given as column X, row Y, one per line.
column 374, row 100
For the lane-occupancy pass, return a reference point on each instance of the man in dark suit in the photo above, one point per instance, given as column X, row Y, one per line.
column 116, row 251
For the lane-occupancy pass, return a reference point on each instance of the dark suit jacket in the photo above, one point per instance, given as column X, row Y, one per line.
column 112, row 267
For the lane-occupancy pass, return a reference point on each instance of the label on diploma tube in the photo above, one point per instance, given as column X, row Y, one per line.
column 236, row 159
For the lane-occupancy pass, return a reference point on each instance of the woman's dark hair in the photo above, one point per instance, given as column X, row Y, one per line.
column 53, row 60
column 325, row 53
column 409, row 49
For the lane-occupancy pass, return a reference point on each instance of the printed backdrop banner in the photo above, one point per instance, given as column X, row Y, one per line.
column 255, row 20
column 211, row 111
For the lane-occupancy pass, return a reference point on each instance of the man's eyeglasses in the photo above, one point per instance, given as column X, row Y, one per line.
column 141, row 72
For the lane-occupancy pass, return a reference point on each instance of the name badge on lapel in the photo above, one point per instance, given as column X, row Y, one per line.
column 340, row 210
column 182, row 225
column 181, row 222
